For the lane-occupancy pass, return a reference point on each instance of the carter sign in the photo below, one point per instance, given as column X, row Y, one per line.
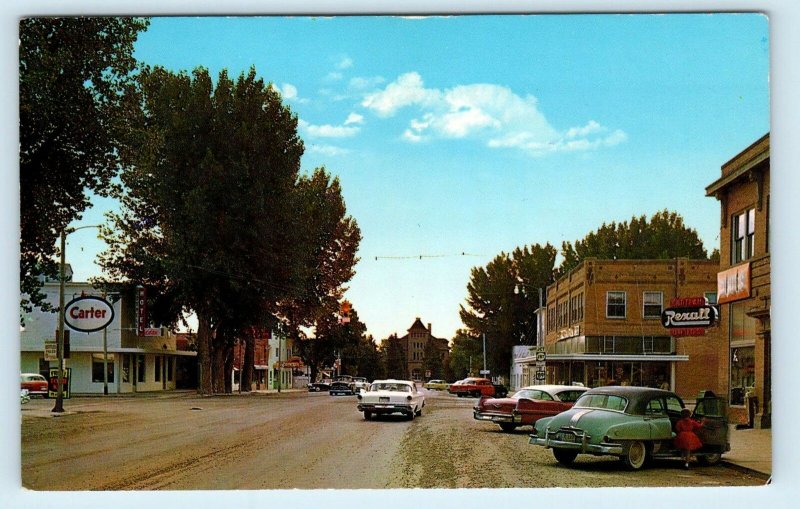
column 703, row 316
column 88, row 314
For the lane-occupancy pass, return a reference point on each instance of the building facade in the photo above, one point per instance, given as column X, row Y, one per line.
column 603, row 326
column 134, row 363
column 744, row 282
column 414, row 344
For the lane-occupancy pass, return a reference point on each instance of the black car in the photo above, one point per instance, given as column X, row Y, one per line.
column 319, row 386
column 341, row 387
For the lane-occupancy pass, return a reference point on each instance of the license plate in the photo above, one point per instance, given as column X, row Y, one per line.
column 565, row 437
column 383, row 399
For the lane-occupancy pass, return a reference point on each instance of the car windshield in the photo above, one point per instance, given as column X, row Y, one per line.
column 602, row 401
column 524, row 394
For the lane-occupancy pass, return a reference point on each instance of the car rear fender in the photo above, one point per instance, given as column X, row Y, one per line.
column 637, row 430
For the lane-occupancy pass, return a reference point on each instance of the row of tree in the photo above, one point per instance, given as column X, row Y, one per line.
column 502, row 296
column 216, row 218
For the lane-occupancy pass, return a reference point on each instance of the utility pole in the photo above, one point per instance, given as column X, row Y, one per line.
column 105, row 354
column 59, row 407
column 484, row 352
column 280, row 368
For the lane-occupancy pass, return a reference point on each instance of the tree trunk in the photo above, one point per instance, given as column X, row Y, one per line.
column 228, row 369
column 246, row 376
column 204, row 377
column 218, row 365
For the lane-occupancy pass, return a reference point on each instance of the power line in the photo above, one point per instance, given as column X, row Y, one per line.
column 421, row 256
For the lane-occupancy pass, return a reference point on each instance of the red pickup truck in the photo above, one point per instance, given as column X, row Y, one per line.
column 477, row 387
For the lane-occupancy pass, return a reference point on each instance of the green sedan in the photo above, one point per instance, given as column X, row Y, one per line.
column 632, row 423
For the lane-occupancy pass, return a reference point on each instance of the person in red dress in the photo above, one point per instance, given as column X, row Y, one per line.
column 686, row 439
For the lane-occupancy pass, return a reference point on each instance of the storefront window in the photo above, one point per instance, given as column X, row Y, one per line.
column 743, row 327
column 742, row 373
column 97, row 367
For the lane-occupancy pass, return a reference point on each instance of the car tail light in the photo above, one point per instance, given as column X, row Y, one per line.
column 408, row 398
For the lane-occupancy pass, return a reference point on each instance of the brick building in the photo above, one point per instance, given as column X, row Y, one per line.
column 414, row 344
column 603, row 325
column 744, row 282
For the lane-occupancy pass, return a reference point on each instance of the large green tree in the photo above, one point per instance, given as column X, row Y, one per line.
column 661, row 237
column 395, row 358
column 207, row 213
column 502, row 298
column 465, row 355
column 432, row 361
column 72, row 76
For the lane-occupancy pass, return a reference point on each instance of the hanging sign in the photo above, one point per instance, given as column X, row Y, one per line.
column 700, row 316
column 141, row 310
column 88, row 314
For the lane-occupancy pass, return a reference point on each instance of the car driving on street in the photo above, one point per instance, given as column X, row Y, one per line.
column 391, row 396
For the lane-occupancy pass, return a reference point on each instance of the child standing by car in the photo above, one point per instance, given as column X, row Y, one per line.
column 686, row 439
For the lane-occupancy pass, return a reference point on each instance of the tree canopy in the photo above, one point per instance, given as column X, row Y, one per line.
column 661, row 237
column 208, row 209
column 502, row 298
column 72, row 76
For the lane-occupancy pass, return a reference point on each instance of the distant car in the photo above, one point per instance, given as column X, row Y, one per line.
column 341, row 386
column 391, row 396
column 322, row 385
column 436, row 385
column 633, row 423
column 477, row 387
column 35, row 384
column 359, row 382
column 527, row 405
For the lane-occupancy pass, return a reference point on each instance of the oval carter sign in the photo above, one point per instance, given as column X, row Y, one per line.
column 88, row 314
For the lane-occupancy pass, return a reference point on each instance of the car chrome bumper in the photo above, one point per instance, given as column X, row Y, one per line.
column 580, row 442
column 383, row 407
column 496, row 417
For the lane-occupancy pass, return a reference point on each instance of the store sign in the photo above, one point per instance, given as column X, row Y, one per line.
column 88, row 314
column 52, row 383
column 701, row 316
column 733, row 284
column 50, row 351
column 141, row 310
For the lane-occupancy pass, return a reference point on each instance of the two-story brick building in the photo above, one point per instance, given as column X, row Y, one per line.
column 603, row 325
column 744, row 282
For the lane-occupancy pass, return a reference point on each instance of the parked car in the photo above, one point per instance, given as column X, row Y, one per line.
column 527, row 405
column 633, row 423
column 342, row 386
column 477, row 387
column 359, row 383
column 391, row 396
column 322, row 385
column 34, row 383
column 436, row 385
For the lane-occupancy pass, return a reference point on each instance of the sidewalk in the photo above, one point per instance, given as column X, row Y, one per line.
column 751, row 451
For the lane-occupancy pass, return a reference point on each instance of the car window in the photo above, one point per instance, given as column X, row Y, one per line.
column 569, row 396
column 602, row 401
column 526, row 394
column 673, row 404
column 654, row 407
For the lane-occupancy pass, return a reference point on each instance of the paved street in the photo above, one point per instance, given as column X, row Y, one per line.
column 301, row 440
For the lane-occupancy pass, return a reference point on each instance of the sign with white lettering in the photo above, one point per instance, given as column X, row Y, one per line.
column 88, row 314
column 733, row 284
column 141, row 310
column 702, row 316
column 50, row 351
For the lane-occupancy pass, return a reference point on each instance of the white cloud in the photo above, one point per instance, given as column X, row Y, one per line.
column 365, row 82
column 289, row 93
column 345, row 63
column 328, row 150
column 354, row 118
column 333, row 76
column 493, row 113
column 327, row 130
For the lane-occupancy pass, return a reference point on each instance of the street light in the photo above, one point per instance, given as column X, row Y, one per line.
column 59, row 407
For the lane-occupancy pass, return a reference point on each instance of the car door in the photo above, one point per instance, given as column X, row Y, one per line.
column 543, row 406
column 712, row 411
column 655, row 415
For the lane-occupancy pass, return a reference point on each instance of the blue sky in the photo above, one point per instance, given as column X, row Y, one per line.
column 478, row 134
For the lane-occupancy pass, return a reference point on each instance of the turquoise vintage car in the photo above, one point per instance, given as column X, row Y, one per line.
column 632, row 423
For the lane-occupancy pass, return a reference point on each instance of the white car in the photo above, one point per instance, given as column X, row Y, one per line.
column 389, row 397
column 359, row 382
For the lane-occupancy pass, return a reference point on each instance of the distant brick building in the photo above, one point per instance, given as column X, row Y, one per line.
column 744, row 282
column 603, row 326
column 414, row 344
